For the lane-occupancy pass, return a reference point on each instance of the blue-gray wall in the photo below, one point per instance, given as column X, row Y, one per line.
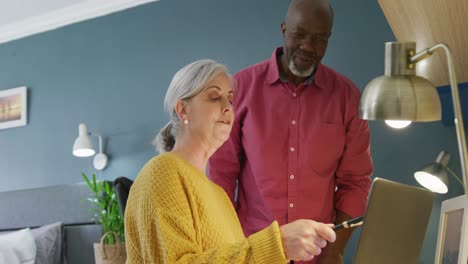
column 112, row 72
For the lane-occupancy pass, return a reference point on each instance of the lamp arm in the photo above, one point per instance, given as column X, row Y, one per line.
column 421, row 55
column 461, row 139
column 455, row 176
column 100, row 144
column 101, row 150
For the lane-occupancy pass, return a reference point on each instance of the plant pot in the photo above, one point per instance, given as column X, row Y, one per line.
column 110, row 254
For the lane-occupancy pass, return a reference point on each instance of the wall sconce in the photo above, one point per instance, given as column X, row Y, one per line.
column 83, row 147
column 434, row 177
column 402, row 96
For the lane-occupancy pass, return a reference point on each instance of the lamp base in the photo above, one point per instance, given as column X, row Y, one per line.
column 100, row 161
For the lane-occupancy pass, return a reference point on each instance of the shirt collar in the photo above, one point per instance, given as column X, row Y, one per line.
column 273, row 74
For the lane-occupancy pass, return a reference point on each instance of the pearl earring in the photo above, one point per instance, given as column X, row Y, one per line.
column 186, row 122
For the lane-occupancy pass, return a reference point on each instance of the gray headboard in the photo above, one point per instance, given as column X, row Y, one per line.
column 61, row 203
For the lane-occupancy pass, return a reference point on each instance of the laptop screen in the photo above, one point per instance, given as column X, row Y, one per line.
column 395, row 224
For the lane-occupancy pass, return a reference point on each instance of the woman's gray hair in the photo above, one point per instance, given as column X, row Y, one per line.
column 186, row 83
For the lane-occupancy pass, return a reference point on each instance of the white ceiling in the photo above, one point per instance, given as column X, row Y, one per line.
column 21, row 18
column 12, row 11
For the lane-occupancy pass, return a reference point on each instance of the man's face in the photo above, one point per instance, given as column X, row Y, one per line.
column 305, row 36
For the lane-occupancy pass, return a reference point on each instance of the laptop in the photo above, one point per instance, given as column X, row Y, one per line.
column 395, row 224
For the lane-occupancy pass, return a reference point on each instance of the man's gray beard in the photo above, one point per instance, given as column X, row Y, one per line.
column 304, row 73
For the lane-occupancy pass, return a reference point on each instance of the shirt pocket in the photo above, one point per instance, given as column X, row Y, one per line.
column 326, row 147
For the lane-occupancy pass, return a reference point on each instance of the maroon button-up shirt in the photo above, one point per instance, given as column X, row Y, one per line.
column 290, row 147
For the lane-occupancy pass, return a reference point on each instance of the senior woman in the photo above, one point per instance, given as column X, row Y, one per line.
column 175, row 214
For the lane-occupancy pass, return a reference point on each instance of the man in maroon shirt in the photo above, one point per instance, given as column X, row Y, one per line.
column 297, row 149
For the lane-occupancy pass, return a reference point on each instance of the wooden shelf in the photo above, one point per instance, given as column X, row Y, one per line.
column 428, row 22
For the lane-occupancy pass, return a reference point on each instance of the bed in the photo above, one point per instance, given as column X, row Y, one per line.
column 41, row 207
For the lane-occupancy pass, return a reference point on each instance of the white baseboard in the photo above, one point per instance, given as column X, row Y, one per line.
column 72, row 14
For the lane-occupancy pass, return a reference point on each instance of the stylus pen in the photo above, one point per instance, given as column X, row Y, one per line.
column 350, row 223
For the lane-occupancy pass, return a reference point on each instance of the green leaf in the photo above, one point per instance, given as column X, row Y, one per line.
column 86, row 180
column 95, row 188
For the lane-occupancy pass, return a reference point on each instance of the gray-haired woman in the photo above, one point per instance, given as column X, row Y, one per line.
column 174, row 214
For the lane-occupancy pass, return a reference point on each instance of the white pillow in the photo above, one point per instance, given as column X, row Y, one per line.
column 18, row 247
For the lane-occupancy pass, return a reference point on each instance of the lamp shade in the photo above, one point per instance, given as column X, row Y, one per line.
column 400, row 94
column 401, row 97
column 82, row 146
column 433, row 176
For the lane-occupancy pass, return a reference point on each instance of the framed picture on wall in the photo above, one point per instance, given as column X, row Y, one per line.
column 13, row 107
column 452, row 241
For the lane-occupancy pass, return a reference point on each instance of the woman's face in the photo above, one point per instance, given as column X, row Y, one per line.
column 210, row 112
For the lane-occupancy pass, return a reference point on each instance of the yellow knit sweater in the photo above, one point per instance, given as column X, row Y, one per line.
column 175, row 214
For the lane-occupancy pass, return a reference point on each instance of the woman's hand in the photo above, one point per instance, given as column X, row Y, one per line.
column 304, row 239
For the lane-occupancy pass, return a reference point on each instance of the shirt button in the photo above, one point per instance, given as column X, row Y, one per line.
column 294, row 94
column 291, row 177
column 291, row 205
column 293, row 122
column 292, row 149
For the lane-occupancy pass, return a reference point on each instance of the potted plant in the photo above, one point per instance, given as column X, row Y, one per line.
column 106, row 212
